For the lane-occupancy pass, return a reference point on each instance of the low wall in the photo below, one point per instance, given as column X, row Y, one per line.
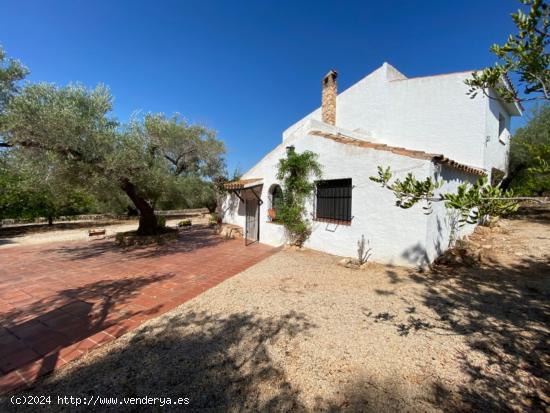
column 181, row 213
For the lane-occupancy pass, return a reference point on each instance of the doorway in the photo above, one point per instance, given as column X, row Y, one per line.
column 252, row 224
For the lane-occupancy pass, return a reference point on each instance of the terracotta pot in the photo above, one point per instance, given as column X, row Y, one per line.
column 272, row 213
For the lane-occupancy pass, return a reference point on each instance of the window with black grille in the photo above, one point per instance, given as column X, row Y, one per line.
column 333, row 200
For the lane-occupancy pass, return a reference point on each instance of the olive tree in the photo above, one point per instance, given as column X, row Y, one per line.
column 525, row 56
column 73, row 124
column 529, row 171
column 32, row 188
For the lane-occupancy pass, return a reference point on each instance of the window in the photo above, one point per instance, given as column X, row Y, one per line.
column 276, row 194
column 333, row 201
column 501, row 126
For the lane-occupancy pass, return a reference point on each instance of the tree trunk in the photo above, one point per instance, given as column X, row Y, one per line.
column 505, row 184
column 50, row 220
column 147, row 219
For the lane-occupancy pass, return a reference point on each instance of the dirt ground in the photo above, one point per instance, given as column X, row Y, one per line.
column 298, row 332
column 32, row 234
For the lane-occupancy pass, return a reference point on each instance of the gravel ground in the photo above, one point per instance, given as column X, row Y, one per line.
column 298, row 332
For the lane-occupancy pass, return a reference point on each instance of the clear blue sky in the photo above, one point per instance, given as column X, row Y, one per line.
column 246, row 69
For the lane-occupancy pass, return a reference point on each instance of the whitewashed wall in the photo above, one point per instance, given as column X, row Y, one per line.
column 397, row 236
column 496, row 147
column 443, row 227
column 432, row 114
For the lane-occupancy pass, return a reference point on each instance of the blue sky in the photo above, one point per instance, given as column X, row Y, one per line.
column 247, row 69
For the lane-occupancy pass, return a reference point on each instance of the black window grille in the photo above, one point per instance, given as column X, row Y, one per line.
column 333, row 200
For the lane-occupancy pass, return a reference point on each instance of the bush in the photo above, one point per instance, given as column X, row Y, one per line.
column 184, row 223
column 295, row 172
column 215, row 218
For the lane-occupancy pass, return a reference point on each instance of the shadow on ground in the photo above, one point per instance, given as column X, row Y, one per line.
column 50, row 324
column 190, row 239
column 26, row 229
column 503, row 313
column 220, row 362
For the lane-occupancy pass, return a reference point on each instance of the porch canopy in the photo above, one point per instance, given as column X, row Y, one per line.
column 243, row 183
column 237, row 187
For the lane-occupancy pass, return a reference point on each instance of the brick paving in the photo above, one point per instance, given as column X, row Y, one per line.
column 61, row 300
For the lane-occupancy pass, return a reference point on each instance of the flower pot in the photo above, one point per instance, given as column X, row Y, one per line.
column 272, row 213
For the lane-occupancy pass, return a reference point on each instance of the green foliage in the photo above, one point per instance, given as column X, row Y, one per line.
column 295, row 171
column 29, row 191
column 187, row 192
column 524, row 54
column 479, row 203
column 189, row 149
column 11, row 73
column 184, row 223
column 410, row 191
column 148, row 159
column 215, row 218
column 530, row 155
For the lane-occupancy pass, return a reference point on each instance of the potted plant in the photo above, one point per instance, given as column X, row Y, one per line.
column 272, row 214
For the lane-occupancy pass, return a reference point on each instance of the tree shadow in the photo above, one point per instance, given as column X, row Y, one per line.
column 220, row 362
column 26, row 229
column 416, row 255
column 504, row 313
column 534, row 213
column 189, row 240
column 373, row 394
column 43, row 328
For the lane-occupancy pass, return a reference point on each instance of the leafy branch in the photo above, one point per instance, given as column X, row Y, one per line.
column 524, row 54
column 410, row 191
column 478, row 203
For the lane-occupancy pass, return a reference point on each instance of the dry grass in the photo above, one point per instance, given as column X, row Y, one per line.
column 298, row 332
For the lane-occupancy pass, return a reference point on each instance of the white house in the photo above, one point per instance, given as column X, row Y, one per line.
column 426, row 125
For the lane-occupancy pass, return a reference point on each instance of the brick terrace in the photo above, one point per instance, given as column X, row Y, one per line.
column 61, row 300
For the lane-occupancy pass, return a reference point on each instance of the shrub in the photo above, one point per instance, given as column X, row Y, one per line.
column 184, row 223
column 295, row 172
column 364, row 251
column 215, row 218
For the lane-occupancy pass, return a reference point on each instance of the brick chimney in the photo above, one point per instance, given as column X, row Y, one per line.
column 330, row 91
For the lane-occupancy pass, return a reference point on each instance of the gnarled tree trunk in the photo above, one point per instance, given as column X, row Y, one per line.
column 505, row 184
column 147, row 220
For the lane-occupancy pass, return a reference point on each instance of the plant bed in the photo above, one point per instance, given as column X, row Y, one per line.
column 131, row 238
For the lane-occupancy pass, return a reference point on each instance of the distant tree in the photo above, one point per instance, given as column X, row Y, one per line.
column 529, row 172
column 525, row 56
column 32, row 190
column 11, row 73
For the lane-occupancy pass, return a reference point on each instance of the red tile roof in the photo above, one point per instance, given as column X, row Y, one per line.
column 437, row 158
column 242, row 183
